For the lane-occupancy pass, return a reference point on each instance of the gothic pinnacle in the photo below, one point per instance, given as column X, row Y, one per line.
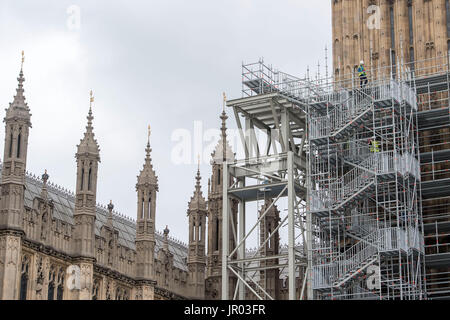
column 224, row 118
column 147, row 174
column 88, row 144
column 19, row 98
column 148, row 150
column 23, row 60
column 90, row 117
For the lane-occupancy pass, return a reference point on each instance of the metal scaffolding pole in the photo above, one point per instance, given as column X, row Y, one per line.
column 241, row 226
column 291, row 225
column 225, row 233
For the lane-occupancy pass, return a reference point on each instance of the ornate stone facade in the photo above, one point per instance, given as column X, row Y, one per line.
column 57, row 245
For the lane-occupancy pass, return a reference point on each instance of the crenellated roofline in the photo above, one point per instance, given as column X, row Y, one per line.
column 118, row 216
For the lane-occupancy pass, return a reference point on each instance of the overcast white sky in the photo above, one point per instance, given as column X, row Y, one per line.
column 163, row 62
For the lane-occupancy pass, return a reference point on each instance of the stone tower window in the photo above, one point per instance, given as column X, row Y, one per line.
column 90, row 177
column 24, row 279
column 59, row 292
column 51, row 284
column 95, row 290
column 51, row 290
column 269, row 231
column 217, row 236
column 10, row 144
column 149, row 207
column 143, row 208
column 19, row 141
column 82, row 177
column 23, row 286
column 391, row 16
column 393, row 57
column 60, row 289
column 410, row 19
column 447, row 14
column 411, row 57
column 195, row 234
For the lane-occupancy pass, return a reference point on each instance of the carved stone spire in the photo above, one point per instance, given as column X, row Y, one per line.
column 223, row 151
column 19, row 99
column 88, row 145
column 17, row 128
column 146, row 187
column 197, row 212
column 87, row 157
column 147, row 174
column 224, row 118
column 197, row 200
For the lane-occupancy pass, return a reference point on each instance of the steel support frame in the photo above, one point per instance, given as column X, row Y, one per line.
column 239, row 266
column 283, row 121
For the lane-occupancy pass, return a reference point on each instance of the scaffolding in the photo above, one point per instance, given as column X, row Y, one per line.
column 364, row 190
column 366, row 173
column 272, row 103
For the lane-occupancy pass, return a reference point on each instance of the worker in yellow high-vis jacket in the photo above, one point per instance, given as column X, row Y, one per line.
column 374, row 146
column 362, row 74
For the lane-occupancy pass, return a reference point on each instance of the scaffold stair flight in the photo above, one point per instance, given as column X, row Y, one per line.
column 344, row 119
column 356, row 259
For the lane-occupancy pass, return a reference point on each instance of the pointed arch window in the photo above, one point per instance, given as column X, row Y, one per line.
column 269, row 232
column 82, row 177
column 200, row 232
column 95, row 290
column 217, row 236
column 195, row 230
column 10, row 143
column 90, row 177
column 447, row 16
column 51, row 291
column 392, row 25
column 218, row 176
column 60, row 286
column 19, row 144
column 24, row 279
column 23, row 286
column 60, row 292
column 51, row 284
column 410, row 24
column 143, row 206
column 119, row 294
column 149, row 209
